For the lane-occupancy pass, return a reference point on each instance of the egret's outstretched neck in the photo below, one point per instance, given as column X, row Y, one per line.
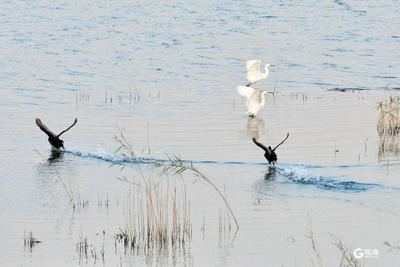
column 263, row 97
column 266, row 73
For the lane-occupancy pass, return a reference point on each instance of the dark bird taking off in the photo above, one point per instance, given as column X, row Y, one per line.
column 54, row 139
column 270, row 154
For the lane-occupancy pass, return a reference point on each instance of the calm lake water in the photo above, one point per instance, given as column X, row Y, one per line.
column 166, row 74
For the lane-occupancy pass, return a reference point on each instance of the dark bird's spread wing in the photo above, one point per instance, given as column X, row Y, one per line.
column 76, row 120
column 44, row 128
column 287, row 136
column 266, row 149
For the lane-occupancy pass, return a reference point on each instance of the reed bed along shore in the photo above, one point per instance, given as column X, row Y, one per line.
column 157, row 216
column 388, row 125
column 389, row 116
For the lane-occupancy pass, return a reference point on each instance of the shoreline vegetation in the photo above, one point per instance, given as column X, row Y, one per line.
column 388, row 125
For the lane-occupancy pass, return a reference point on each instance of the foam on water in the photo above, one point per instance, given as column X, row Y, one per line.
column 301, row 176
column 114, row 158
column 294, row 172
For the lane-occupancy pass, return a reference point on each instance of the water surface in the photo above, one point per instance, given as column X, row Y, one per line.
column 166, row 74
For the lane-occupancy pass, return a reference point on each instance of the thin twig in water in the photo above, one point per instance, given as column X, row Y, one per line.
column 67, row 189
column 310, row 235
column 347, row 259
column 391, row 246
column 178, row 166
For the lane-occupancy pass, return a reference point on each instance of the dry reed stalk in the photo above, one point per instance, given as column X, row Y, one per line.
column 389, row 116
column 388, row 125
column 156, row 217
column 310, row 235
column 30, row 241
column 176, row 165
column 392, row 246
column 179, row 166
column 347, row 260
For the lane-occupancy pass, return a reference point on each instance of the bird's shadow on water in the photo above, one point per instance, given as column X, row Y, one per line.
column 265, row 187
column 255, row 127
column 54, row 169
column 270, row 174
column 55, row 156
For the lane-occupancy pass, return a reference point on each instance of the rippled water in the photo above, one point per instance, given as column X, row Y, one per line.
column 166, row 74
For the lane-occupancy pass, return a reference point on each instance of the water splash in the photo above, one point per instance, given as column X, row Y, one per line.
column 301, row 176
column 121, row 159
column 114, row 158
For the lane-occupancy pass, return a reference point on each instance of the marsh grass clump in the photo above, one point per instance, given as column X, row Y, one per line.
column 125, row 147
column 157, row 211
column 389, row 116
column 224, row 224
column 133, row 95
column 157, row 217
column 82, row 247
column 175, row 165
column 86, row 251
column 81, row 203
column 82, row 97
column 178, row 166
column 103, row 203
column 388, row 125
column 30, row 241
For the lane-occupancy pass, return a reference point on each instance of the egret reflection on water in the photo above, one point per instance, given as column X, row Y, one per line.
column 255, row 99
column 255, row 126
column 254, row 73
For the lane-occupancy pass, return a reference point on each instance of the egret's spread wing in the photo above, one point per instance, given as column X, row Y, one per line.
column 253, row 65
column 255, row 102
column 44, row 128
column 253, row 70
column 76, row 120
column 245, row 91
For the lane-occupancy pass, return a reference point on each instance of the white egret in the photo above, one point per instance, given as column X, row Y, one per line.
column 255, row 99
column 254, row 73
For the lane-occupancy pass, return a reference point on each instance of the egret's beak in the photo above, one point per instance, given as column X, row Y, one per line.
column 268, row 92
column 272, row 65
